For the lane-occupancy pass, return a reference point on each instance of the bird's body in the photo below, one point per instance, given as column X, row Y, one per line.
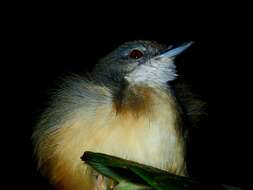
column 127, row 111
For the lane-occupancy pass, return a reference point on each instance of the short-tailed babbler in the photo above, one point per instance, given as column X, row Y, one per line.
column 128, row 107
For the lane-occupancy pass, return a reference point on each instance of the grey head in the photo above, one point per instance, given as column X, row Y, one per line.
column 140, row 63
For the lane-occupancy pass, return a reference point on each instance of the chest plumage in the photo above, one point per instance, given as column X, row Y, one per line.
column 142, row 126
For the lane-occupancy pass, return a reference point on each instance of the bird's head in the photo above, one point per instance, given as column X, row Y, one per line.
column 141, row 63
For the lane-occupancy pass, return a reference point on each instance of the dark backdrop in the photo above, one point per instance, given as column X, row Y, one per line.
column 50, row 46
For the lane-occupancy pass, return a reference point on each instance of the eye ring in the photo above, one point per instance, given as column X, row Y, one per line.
column 135, row 54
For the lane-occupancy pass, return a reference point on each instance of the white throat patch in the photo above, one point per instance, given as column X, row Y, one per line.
column 155, row 72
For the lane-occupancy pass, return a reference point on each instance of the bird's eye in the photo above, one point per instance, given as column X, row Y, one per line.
column 135, row 54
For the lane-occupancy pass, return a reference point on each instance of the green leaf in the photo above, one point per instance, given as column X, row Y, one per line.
column 135, row 176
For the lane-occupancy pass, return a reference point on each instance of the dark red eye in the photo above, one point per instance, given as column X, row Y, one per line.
column 135, row 54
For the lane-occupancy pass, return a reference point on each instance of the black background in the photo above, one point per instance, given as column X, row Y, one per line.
column 48, row 44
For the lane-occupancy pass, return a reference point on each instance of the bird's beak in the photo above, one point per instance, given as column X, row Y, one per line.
column 173, row 52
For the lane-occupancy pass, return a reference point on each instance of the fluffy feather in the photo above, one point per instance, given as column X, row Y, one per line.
column 85, row 116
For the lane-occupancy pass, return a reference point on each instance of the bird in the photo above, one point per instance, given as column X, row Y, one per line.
column 128, row 107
